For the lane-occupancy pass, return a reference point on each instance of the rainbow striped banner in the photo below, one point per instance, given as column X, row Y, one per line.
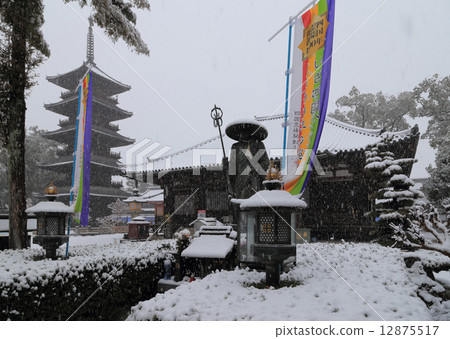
column 311, row 74
column 82, row 169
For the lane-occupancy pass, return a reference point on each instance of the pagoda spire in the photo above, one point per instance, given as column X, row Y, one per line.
column 90, row 45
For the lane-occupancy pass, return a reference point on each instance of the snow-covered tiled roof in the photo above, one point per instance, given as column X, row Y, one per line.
column 151, row 195
column 336, row 136
column 209, row 246
column 154, row 195
column 207, row 221
column 102, row 107
column 71, row 79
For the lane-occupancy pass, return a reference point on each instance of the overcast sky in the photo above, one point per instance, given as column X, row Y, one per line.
column 216, row 52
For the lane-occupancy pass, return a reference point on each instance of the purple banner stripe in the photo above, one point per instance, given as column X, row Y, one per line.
column 324, row 85
column 87, row 156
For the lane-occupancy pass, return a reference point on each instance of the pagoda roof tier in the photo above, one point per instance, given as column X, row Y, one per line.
column 96, row 160
column 104, row 84
column 107, row 110
column 97, row 191
column 102, row 136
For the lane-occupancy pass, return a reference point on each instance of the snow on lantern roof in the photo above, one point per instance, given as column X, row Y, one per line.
column 50, row 206
column 273, row 198
column 209, row 246
column 336, row 137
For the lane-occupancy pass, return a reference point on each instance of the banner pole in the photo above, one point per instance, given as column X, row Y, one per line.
column 293, row 18
column 286, row 102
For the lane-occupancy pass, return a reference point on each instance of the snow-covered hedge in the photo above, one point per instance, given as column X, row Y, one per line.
column 36, row 289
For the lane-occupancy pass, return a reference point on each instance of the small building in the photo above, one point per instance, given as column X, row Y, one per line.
column 149, row 205
column 213, row 248
column 139, row 229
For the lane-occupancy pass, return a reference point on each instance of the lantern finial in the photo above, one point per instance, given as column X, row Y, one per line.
column 51, row 191
column 273, row 173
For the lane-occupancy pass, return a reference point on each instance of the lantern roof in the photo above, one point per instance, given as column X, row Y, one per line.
column 253, row 127
column 50, row 207
column 273, row 198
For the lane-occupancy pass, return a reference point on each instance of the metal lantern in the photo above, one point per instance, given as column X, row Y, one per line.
column 267, row 227
column 52, row 219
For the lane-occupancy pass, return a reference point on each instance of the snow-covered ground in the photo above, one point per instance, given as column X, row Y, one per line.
column 338, row 282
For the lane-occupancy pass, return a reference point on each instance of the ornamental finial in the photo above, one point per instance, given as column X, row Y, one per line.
column 90, row 44
column 273, row 173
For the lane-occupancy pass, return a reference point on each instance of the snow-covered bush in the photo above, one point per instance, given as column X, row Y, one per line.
column 424, row 219
column 33, row 289
column 183, row 239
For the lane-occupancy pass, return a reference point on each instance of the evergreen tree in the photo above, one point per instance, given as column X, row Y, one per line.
column 433, row 98
column 437, row 187
column 394, row 194
column 39, row 149
column 22, row 49
column 375, row 110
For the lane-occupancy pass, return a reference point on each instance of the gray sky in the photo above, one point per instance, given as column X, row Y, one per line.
column 216, row 52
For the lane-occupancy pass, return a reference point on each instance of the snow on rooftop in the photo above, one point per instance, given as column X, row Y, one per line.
column 135, row 199
column 209, row 246
column 50, row 206
column 4, row 225
column 336, row 136
column 151, row 195
column 207, row 221
column 274, row 198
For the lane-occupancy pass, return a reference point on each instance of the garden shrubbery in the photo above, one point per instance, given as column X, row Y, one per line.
column 32, row 288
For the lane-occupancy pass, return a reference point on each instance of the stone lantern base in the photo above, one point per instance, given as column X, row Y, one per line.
column 50, row 243
column 272, row 256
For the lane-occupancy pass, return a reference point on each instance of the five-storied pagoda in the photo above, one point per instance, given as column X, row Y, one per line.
column 104, row 163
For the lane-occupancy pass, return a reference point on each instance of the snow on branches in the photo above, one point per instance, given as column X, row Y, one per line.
column 393, row 193
column 424, row 230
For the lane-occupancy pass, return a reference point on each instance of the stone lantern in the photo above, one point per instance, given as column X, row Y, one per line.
column 52, row 219
column 267, row 222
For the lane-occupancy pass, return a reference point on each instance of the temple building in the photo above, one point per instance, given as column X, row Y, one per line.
column 104, row 162
column 337, row 194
